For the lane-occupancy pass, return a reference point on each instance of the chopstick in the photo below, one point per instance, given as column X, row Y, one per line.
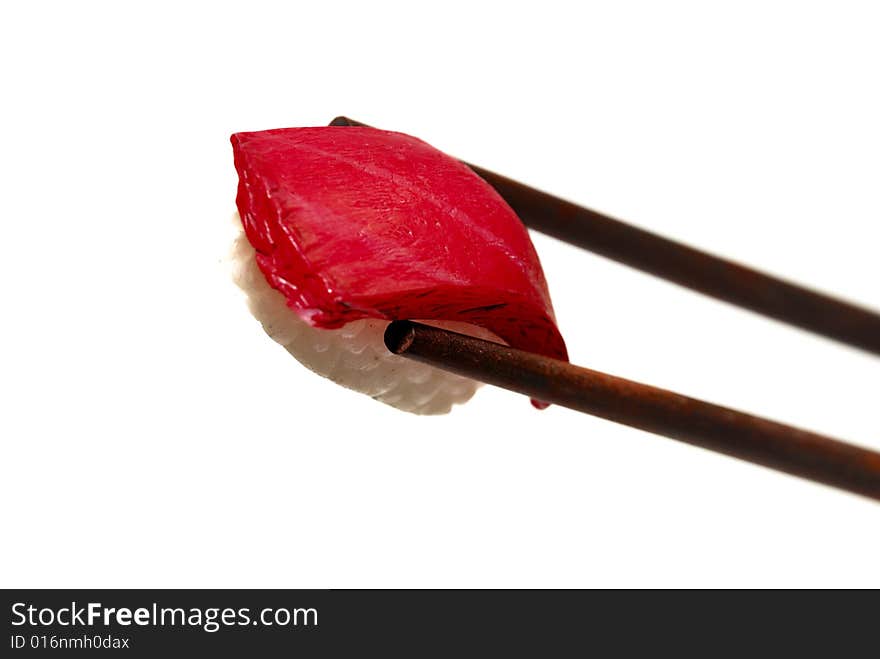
column 684, row 265
column 737, row 434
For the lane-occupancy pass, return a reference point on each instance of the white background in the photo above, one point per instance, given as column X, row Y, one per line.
column 152, row 435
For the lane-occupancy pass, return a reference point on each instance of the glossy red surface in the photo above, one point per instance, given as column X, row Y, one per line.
column 353, row 223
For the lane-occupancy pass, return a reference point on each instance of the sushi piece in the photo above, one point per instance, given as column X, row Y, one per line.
column 348, row 228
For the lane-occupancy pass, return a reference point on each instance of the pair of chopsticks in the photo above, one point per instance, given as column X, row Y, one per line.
column 785, row 448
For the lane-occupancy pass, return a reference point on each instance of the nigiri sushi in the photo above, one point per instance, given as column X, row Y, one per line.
column 347, row 228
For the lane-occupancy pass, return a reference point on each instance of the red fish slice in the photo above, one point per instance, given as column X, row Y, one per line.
column 352, row 223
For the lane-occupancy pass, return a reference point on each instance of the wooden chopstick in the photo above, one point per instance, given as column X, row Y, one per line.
column 768, row 443
column 684, row 265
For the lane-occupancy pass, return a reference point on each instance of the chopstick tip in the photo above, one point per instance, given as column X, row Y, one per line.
column 399, row 336
column 342, row 120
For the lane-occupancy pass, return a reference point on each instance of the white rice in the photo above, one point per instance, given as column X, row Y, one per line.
column 355, row 355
